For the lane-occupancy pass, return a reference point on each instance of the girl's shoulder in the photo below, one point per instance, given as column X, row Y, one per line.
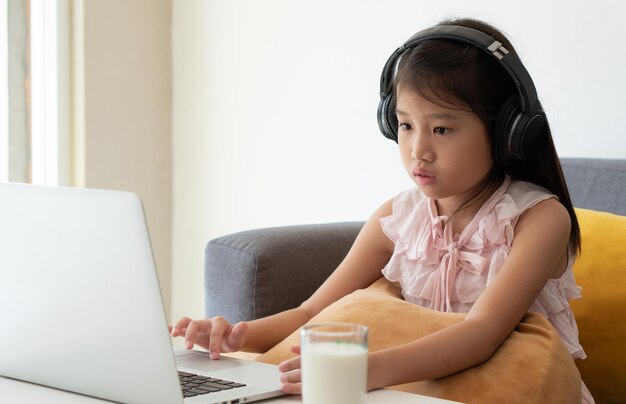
column 410, row 198
column 520, row 196
column 409, row 207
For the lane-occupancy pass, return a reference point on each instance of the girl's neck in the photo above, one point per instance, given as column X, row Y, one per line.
column 472, row 200
column 457, row 219
column 460, row 206
column 461, row 210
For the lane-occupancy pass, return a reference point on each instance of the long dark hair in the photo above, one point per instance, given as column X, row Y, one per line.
column 466, row 77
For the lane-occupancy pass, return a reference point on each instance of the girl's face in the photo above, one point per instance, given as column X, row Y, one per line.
column 445, row 150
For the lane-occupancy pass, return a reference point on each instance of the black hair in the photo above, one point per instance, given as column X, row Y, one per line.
column 466, row 77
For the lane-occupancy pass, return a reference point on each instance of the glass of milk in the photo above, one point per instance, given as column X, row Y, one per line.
column 334, row 363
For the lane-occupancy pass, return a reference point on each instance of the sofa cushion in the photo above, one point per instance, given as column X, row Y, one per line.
column 601, row 271
column 532, row 365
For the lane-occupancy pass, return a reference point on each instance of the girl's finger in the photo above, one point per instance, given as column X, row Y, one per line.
column 296, row 349
column 289, row 364
column 291, row 377
column 193, row 328
column 177, row 329
column 292, row 388
column 218, row 330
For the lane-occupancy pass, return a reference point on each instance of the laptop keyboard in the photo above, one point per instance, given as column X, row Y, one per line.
column 194, row 385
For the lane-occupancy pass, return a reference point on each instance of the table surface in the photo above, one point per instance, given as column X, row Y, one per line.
column 15, row 391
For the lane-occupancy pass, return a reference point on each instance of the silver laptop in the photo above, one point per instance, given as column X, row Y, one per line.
column 81, row 309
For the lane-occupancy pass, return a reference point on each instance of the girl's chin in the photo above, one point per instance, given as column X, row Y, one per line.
column 427, row 191
column 432, row 192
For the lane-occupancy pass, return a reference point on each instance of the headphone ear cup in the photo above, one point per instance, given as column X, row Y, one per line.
column 516, row 134
column 504, row 145
column 387, row 121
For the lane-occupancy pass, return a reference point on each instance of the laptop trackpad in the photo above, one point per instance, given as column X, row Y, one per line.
column 201, row 362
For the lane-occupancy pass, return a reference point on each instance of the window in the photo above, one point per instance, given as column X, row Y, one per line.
column 4, row 93
column 35, row 101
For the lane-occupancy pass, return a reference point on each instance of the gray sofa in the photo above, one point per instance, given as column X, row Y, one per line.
column 260, row 272
column 256, row 273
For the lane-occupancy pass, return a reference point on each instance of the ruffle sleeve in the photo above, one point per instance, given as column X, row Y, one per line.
column 403, row 226
column 408, row 228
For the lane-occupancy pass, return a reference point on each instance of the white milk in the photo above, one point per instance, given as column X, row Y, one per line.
column 334, row 373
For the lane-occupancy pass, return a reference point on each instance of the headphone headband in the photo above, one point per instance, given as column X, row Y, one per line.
column 511, row 62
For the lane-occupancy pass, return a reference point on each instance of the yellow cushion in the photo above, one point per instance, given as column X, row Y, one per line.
column 532, row 365
column 601, row 271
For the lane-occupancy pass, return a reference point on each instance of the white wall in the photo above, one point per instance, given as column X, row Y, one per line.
column 122, row 103
column 274, row 119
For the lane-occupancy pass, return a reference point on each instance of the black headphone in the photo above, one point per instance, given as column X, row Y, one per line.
column 521, row 121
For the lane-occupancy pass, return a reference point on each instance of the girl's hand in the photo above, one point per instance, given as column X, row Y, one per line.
column 292, row 376
column 213, row 334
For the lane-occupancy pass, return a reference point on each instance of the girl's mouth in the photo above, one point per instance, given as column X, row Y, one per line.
column 423, row 177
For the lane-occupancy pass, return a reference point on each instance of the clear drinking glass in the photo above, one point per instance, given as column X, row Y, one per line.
column 334, row 363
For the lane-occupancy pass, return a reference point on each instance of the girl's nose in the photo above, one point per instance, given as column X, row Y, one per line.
column 421, row 148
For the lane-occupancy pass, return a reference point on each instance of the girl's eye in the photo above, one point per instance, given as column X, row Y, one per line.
column 404, row 127
column 441, row 131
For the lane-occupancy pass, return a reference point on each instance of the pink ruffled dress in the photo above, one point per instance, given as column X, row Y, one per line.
column 447, row 272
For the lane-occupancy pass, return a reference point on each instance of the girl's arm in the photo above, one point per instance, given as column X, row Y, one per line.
column 360, row 268
column 538, row 253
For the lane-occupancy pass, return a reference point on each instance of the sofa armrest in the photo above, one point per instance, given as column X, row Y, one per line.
column 257, row 273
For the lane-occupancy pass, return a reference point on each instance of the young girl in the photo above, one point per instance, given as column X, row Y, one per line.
column 489, row 230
